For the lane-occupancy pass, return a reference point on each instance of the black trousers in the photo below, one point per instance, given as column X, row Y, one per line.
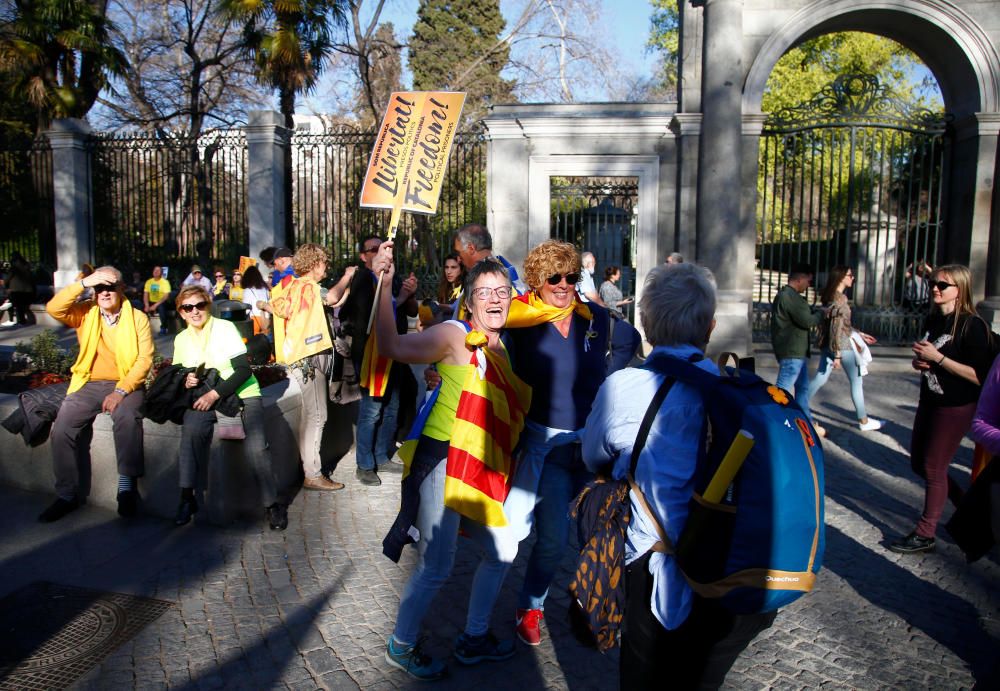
column 696, row 655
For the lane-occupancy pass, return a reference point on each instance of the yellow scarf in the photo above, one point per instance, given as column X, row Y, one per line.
column 89, row 334
column 530, row 310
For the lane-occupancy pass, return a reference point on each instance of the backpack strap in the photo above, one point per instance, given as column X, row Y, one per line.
column 664, row 544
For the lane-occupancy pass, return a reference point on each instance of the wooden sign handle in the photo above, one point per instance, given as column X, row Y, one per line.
column 393, row 225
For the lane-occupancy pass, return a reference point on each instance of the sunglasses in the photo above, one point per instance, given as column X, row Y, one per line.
column 220, row 275
column 942, row 285
column 104, row 288
column 192, row 306
column 571, row 279
column 369, row 250
column 483, row 293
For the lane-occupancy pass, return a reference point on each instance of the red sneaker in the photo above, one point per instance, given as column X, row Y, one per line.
column 528, row 622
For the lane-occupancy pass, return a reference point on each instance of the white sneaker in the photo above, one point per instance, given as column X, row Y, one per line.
column 6, row 306
column 9, row 322
column 871, row 425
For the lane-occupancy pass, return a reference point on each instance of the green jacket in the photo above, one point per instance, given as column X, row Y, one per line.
column 791, row 321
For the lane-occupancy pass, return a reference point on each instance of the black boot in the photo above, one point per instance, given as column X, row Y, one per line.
column 59, row 508
column 277, row 516
column 186, row 509
column 128, row 503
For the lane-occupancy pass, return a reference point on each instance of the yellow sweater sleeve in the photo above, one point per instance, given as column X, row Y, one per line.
column 137, row 375
column 64, row 307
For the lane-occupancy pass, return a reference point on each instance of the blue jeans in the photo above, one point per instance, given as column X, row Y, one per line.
column 436, row 548
column 849, row 363
column 375, row 446
column 794, row 372
column 563, row 476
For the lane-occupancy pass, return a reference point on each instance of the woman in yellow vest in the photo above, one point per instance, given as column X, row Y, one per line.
column 460, row 467
column 216, row 344
column 236, row 289
column 306, row 349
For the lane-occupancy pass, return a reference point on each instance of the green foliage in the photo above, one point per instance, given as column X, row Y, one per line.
column 289, row 41
column 664, row 39
column 46, row 355
column 457, row 46
column 58, row 57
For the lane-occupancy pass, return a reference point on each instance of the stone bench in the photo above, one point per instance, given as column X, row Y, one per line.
column 228, row 489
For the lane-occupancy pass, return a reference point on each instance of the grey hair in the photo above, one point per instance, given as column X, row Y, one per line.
column 678, row 305
column 483, row 267
column 587, row 255
column 119, row 281
column 675, row 258
column 476, row 235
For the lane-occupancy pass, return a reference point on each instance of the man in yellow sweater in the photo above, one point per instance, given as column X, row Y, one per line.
column 116, row 352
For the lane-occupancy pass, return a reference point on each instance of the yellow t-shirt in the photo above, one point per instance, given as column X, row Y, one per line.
column 158, row 288
column 223, row 344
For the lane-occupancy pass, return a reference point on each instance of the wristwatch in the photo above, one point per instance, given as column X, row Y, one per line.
column 121, row 392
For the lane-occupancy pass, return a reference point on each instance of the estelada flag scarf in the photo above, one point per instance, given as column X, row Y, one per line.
column 488, row 422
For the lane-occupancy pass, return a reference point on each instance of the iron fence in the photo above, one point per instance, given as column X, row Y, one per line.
column 169, row 200
column 27, row 217
column 598, row 215
column 328, row 173
column 855, row 178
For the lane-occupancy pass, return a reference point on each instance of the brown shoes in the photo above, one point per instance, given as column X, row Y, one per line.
column 321, row 483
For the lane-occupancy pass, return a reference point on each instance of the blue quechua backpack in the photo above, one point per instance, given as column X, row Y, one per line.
column 760, row 547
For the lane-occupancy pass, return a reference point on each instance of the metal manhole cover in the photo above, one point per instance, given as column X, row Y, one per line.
column 52, row 634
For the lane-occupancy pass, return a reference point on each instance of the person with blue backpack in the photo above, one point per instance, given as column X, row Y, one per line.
column 669, row 634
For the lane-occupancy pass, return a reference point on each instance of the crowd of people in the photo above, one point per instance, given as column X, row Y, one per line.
column 525, row 393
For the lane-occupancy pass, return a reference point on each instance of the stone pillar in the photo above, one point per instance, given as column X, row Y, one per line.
column 507, row 173
column 984, row 253
column 687, row 128
column 753, row 125
column 71, row 203
column 722, row 243
column 268, row 141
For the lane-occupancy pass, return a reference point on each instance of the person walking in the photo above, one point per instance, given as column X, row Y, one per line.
column 611, row 294
column 840, row 347
column 791, row 321
column 953, row 358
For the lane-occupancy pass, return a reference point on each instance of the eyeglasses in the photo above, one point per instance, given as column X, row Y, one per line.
column 571, row 279
column 220, row 275
column 190, row 307
column 942, row 285
column 369, row 250
column 104, row 288
column 483, row 293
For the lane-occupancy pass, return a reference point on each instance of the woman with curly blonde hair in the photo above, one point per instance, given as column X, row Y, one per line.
column 558, row 344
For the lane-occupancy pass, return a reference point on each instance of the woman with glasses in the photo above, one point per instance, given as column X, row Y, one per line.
column 220, row 289
column 953, row 359
column 215, row 344
column 558, row 344
column 840, row 346
column 459, row 470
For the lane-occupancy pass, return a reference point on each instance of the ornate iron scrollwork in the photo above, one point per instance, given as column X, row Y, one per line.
column 857, row 99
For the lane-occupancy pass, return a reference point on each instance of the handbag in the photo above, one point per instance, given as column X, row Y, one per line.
column 229, row 428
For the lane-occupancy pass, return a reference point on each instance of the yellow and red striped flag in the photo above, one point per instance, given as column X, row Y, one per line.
column 375, row 369
column 488, row 422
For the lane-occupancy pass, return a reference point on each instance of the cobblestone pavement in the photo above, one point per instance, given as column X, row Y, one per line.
column 311, row 607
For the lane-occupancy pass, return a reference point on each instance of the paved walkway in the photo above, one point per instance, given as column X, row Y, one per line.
column 311, row 607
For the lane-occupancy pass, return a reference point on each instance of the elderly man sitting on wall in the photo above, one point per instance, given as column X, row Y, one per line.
column 116, row 352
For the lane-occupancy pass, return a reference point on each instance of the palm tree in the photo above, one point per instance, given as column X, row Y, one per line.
column 288, row 40
column 58, row 56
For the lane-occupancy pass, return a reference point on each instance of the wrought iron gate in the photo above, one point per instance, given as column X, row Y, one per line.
column 598, row 215
column 853, row 177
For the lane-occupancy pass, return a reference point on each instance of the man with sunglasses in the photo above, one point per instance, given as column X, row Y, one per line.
column 377, row 416
column 116, row 352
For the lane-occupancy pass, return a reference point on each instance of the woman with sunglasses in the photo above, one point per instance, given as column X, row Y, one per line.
column 558, row 344
column 220, row 289
column 477, row 386
column 210, row 343
column 953, row 358
column 840, row 349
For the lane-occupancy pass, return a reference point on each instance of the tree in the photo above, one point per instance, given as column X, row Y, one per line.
column 289, row 41
column 457, row 46
column 186, row 67
column 664, row 39
column 58, row 56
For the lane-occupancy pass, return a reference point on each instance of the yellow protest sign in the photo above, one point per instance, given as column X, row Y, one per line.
column 408, row 162
column 246, row 263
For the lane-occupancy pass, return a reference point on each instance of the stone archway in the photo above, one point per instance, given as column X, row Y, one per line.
column 728, row 50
